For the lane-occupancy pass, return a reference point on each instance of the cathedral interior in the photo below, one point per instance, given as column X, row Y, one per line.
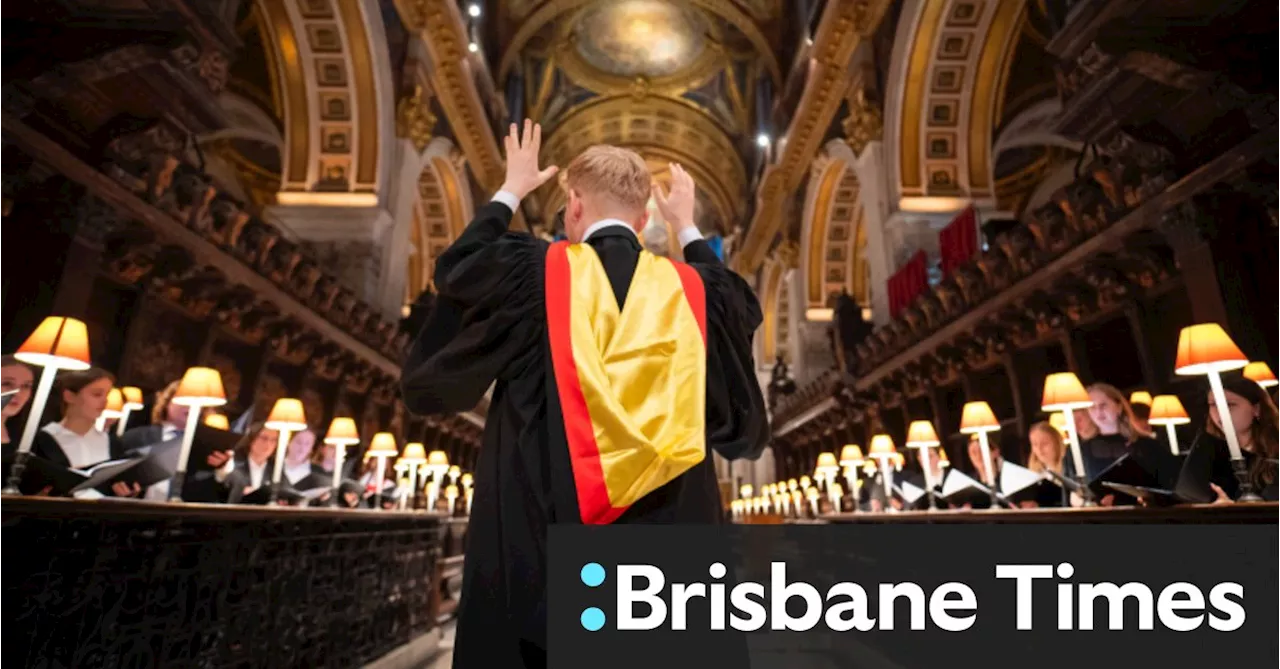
column 937, row 202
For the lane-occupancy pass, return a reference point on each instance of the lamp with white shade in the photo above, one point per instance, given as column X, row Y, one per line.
column 58, row 343
column 922, row 436
column 382, row 446
column 199, row 388
column 827, row 467
column 114, row 409
column 286, row 418
column 1167, row 410
column 978, row 419
column 883, row 450
column 1064, row 392
column 132, row 402
column 342, row 433
column 850, row 458
column 1206, row 349
column 414, row 456
column 1261, row 374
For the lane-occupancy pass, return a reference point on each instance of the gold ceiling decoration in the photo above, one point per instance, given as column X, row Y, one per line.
column 845, row 23
column 414, row 118
column 639, row 38
column 864, row 124
column 552, row 10
column 599, row 51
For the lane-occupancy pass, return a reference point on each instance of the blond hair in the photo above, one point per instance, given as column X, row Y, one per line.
column 617, row 174
column 1128, row 423
column 1060, row 449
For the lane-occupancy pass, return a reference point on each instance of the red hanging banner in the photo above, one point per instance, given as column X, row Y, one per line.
column 958, row 242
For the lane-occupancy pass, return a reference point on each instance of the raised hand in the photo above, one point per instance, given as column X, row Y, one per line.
column 523, row 175
column 677, row 207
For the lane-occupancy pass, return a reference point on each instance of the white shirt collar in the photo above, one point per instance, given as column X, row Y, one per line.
column 605, row 223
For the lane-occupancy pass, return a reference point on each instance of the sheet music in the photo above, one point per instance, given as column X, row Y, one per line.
column 957, row 481
column 1016, row 478
column 910, row 492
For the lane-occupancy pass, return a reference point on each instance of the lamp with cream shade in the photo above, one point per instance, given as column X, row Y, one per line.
column 1140, row 397
column 805, row 482
column 977, row 418
column 200, row 388
column 382, row 446
column 342, row 433
column 454, row 472
column 58, row 343
column 922, row 436
column 286, row 418
column 812, row 495
column 467, row 480
column 826, row 468
column 1207, row 350
column 217, row 421
column 744, row 492
column 1064, row 392
column 132, row 402
column 1167, row 410
column 883, row 450
column 451, row 496
column 1261, row 374
column 850, row 457
column 437, row 464
column 114, row 409
column 835, row 491
column 415, row 455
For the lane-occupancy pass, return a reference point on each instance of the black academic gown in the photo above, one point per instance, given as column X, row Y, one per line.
column 489, row 325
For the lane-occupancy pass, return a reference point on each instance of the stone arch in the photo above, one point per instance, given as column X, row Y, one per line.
column 336, row 97
column 441, row 210
column 834, row 235
column 950, row 63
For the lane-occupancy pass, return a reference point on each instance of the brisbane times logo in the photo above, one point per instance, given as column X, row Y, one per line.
column 646, row 601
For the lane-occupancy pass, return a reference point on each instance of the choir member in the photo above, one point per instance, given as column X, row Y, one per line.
column 1120, row 434
column 16, row 377
column 254, row 460
column 1254, row 416
column 1049, row 453
column 979, row 468
column 75, row 441
column 299, row 470
column 168, row 422
column 504, row 315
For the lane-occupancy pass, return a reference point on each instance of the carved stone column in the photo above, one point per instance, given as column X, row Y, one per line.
column 874, row 191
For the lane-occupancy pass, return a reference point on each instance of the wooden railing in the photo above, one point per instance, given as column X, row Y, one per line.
column 135, row 584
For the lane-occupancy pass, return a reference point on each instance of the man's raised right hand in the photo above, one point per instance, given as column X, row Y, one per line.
column 523, row 175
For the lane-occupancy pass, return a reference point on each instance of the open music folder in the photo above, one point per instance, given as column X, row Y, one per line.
column 65, row 481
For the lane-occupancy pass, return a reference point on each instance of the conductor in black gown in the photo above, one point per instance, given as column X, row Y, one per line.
column 497, row 323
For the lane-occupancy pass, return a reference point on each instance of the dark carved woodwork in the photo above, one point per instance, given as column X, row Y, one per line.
column 210, row 586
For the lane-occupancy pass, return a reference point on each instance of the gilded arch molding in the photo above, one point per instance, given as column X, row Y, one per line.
column 952, row 59
column 441, row 211
column 550, row 10
column 326, row 65
column 834, row 240
column 659, row 129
